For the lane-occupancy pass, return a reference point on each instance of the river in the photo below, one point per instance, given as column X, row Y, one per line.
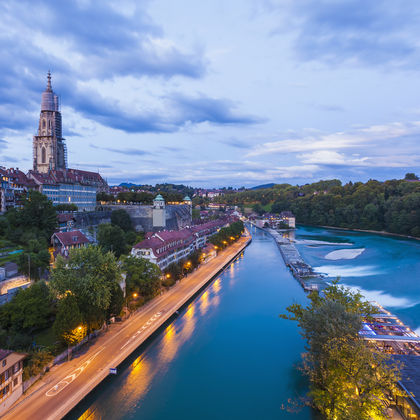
column 229, row 356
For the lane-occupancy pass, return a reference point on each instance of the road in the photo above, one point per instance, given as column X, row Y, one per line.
column 67, row 384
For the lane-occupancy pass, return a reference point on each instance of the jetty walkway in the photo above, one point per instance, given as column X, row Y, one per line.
column 66, row 385
column 301, row 271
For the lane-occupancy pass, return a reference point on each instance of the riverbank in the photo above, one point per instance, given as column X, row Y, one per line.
column 66, row 385
column 376, row 232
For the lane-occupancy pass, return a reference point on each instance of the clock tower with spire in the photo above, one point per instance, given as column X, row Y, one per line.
column 49, row 148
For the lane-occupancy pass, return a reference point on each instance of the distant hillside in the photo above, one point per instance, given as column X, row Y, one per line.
column 261, row 187
column 128, row 185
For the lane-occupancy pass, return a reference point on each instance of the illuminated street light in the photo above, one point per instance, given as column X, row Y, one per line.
column 134, row 295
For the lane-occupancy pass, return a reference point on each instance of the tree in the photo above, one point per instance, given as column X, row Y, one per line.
column 66, row 207
column 68, row 321
column 411, row 176
column 90, row 275
column 348, row 379
column 35, row 257
column 112, row 238
column 143, row 277
column 121, row 219
column 29, row 310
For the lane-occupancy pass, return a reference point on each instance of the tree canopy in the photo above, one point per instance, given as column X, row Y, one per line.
column 348, row 379
column 90, row 275
column 143, row 277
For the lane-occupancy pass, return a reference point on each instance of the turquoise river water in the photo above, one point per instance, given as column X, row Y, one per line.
column 229, row 356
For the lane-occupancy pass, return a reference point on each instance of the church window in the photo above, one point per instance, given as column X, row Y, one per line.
column 43, row 155
column 43, row 123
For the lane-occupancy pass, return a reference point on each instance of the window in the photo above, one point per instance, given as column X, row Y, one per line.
column 4, row 391
column 15, row 381
column 3, row 363
column 43, row 155
column 16, row 368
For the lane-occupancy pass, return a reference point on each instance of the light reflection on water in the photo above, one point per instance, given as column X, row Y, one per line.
column 141, row 372
column 223, row 357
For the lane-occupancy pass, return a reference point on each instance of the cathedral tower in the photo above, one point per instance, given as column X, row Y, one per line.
column 49, row 148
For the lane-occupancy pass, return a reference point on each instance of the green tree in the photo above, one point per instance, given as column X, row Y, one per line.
column 29, row 310
column 68, row 322
column 36, row 363
column 112, row 238
column 36, row 257
column 143, row 277
column 411, row 176
column 348, row 379
column 121, row 219
column 90, row 276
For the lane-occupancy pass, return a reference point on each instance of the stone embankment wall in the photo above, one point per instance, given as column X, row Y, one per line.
column 177, row 216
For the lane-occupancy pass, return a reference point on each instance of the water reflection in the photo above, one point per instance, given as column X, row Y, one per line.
column 139, row 376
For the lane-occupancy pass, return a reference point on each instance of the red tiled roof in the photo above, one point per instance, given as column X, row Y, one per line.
column 68, row 176
column 74, row 237
column 165, row 241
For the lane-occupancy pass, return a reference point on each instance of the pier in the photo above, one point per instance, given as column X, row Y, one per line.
column 301, row 271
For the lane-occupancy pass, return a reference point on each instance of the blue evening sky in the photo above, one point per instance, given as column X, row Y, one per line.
column 217, row 92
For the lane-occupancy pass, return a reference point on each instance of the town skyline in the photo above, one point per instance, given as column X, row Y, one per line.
column 213, row 95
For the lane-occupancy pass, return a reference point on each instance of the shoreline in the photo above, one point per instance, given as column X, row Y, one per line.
column 62, row 389
column 377, row 232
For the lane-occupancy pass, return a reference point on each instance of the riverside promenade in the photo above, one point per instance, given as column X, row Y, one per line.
column 66, row 385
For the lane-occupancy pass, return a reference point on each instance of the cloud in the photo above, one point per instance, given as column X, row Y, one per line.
column 130, row 151
column 358, row 32
column 90, row 43
column 233, row 142
column 201, row 108
column 3, row 142
column 177, row 110
column 370, row 137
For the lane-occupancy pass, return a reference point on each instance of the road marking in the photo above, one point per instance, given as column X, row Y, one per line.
column 57, row 388
column 147, row 324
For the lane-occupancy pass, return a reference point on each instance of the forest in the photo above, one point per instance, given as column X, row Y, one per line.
column 392, row 206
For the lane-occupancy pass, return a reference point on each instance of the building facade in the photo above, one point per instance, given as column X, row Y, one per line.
column 11, row 387
column 166, row 247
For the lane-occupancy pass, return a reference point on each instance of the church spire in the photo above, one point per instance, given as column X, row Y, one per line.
column 49, row 88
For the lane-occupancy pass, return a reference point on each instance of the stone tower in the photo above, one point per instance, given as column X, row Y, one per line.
column 49, row 148
column 159, row 212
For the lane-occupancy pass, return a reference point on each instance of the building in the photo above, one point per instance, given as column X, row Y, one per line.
column 289, row 218
column 11, row 369
column 14, row 186
column 66, row 221
column 159, row 212
column 49, row 148
column 284, row 220
column 70, row 186
column 50, row 173
column 166, row 247
column 64, row 242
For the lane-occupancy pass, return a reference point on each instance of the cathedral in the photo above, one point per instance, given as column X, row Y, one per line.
column 50, row 173
column 49, row 148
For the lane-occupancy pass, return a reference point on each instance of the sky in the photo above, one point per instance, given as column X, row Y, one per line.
column 217, row 93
